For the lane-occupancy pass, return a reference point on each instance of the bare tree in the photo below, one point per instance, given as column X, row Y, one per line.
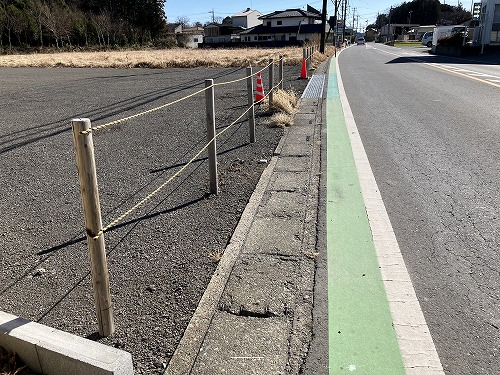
column 183, row 20
column 57, row 19
column 3, row 17
column 7, row 24
column 18, row 21
column 104, row 25
column 35, row 8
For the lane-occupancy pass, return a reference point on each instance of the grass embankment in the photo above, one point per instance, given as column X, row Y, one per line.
column 168, row 58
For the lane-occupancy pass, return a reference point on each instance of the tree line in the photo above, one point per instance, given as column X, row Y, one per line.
column 423, row 12
column 59, row 23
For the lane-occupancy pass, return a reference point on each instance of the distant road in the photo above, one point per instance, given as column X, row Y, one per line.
column 430, row 127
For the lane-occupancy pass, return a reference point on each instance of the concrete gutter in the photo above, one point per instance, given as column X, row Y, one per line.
column 53, row 352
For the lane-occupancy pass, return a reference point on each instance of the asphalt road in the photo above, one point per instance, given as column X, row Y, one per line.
column 162, row 256
column 429, row 125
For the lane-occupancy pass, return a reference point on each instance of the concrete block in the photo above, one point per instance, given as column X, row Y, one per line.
column 293, row 164
column 237, row 345
column 290, row 181
column 55, row 352
column 296, row 149
column 282, row 204
column 262, row 286
column 274, row 236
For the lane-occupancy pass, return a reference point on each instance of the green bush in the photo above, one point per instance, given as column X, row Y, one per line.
column 455, row 40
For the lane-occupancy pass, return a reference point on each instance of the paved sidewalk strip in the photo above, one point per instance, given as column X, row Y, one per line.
column 256, row 315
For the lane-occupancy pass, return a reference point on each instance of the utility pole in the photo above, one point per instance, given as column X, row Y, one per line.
column 353, row 19
column 343, row 20
column 335, row 25
column 323, row 27
column 389, row 31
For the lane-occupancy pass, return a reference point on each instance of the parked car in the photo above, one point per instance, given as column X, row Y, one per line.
column 360, row 41
column 427, row 39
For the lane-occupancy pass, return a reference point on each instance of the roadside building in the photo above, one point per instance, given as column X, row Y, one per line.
column 398, row 31
column 487, row 13
column 421, row 30
column 226, row 33
column 189, row 37
column 247, row 18
column 285, row 27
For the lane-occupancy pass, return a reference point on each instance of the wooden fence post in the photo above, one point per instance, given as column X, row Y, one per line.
column 84, row 148
column 212, row 148
column 271, row 81
column 251, row 113
column 280, row 71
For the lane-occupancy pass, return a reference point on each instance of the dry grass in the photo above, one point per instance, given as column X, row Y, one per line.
column 285, row 101
column 216, row 255
column 178, row 58
column 283, row 108
column 280, row 120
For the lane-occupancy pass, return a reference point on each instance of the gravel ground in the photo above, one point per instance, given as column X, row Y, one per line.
column 162, row 256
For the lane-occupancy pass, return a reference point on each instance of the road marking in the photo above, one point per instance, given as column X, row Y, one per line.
column 415, row 342
column 467, row 75
column 458, row 71
column 360, row 331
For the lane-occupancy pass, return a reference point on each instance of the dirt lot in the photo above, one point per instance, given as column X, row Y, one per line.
column 161, row 257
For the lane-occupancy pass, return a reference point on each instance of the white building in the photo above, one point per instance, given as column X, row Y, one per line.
column 489, row 21
column 290, row 25
column 247, row 18
column 189, row 37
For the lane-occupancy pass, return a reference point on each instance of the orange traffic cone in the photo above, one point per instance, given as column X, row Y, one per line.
column 259, row 90
column 303, row 73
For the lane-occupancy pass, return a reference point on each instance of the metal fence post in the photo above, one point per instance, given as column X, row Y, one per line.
column 251, row 113
column 271, row 81
column 212, row 148
column 280, row 71
column 84, row 149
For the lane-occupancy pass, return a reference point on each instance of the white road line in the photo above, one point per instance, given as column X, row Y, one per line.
column 415, row 342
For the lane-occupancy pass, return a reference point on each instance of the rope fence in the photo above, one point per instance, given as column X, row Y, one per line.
column 84, row 149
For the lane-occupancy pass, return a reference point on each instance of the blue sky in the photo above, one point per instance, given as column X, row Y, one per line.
column 201, row 10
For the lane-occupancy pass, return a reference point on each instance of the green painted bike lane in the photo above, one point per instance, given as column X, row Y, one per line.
column 362, row 339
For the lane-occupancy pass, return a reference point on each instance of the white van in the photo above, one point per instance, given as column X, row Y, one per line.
column 427, row 39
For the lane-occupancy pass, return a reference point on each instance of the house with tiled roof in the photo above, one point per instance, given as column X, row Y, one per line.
column 224, row 33
column 285, row 26
column 247, row 18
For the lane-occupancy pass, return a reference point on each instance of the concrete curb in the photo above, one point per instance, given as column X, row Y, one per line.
column 186, row 353
column 53, row 352
column 255, row 315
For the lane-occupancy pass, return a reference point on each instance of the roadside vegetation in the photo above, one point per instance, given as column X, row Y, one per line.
column 164, row 58
column 38, row 24
column 283, row 109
